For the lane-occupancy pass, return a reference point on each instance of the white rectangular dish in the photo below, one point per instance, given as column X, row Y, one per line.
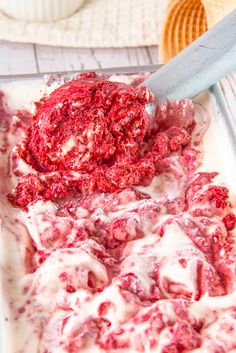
column 218, row 144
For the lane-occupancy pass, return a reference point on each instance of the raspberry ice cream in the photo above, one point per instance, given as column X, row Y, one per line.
column 95, row 135
column 118, row 229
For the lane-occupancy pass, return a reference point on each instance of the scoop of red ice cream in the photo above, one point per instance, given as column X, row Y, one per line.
column 92, row 134
column 85, row 123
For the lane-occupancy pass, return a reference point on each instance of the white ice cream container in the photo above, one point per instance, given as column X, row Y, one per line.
column 40, row 10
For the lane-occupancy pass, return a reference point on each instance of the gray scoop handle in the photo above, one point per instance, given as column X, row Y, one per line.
column 200, row 65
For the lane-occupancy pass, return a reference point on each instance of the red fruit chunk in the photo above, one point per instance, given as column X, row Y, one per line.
column 229, row 221
column 218, row 195
column 70, row 289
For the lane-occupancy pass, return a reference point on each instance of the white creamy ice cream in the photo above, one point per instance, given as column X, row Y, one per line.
column 145, row 269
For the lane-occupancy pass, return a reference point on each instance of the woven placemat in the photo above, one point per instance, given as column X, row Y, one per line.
column 186, row 20
column 99, row 23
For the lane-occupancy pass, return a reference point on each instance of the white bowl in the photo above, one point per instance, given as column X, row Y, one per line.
column 40, row 10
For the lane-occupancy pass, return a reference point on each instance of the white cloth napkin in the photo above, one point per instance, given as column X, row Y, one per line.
column 99, row 23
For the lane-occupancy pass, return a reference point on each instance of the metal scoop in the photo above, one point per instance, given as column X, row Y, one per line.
column 200, row 65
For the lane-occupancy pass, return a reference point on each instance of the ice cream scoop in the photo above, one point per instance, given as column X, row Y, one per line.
column 200, row 65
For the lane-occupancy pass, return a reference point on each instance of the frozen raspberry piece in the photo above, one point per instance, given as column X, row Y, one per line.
column 229, row 221
column 70, row 289
column 218, row 195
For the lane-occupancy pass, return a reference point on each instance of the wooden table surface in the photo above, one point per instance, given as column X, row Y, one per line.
column 18, row 58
